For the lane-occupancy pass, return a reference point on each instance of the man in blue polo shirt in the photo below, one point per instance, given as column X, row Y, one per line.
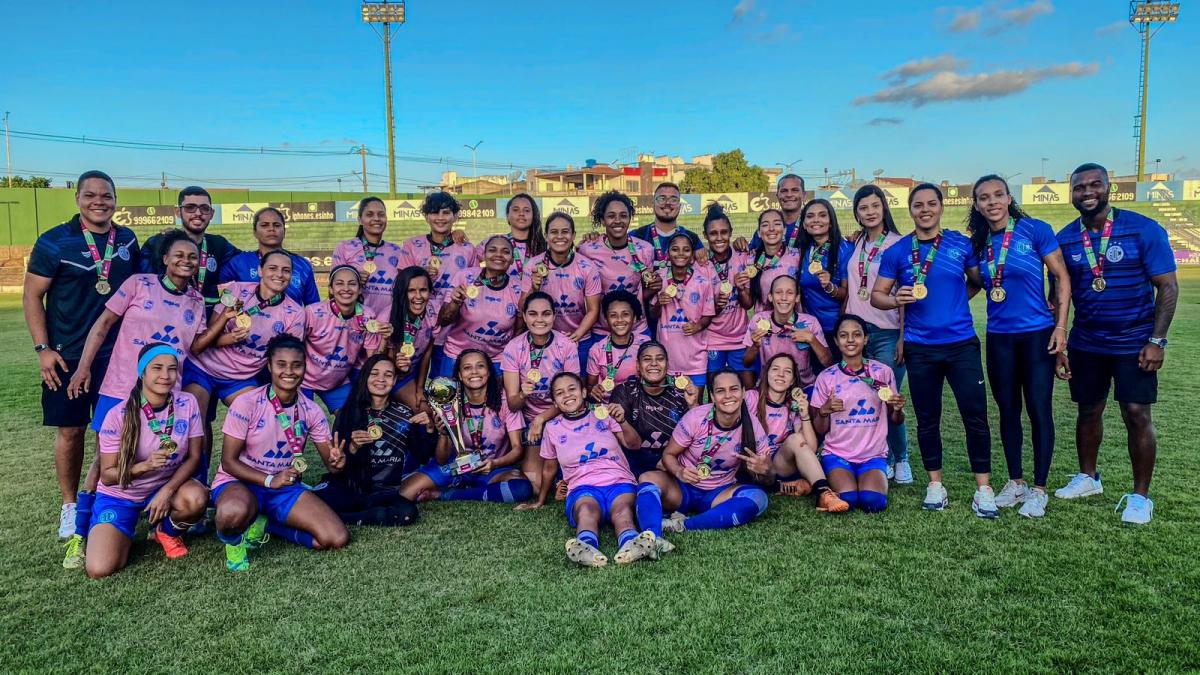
column 1123, row 283
column 665, row 225
column 269, row 229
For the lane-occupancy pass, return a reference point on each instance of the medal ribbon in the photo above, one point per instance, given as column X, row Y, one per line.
column 358, row 318
column 482, row 281
column 660, row 255
column 679, row 284
column 819, row 253
column 257, row 309
column 536, row 353
column 920, row 269
column 518, row 249
column 608, row 357
column 103, row 265
column 723, row 268
column 168, row 284
column 765, row 264
column 865, row 259
column 861, row 374
column 636, row 265
column 1097, row 264
column 374, row 418
column 161, row 429
column 370, row 250
column 436, row 249
column 204, row 256
column 291, row 430
column 410, row 330
column 709, row 451
column 996, row 268
column 550, row 264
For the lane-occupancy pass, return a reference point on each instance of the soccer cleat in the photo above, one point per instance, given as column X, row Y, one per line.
column 661, row 548
column 936, row 498
column 903, row 472
column 236, row 556
column 256, row 535
column 890, row 473
column 1139, row 510
column 583, row 553
column 66, row 521
column 641, row 546
column 1011, row 494
column 673, row 523
column 984, row 503
column 172, row 546
column 1035, row 504
column 829, row 502
column 74, row 558
column 1081, row 485
column 795, row 488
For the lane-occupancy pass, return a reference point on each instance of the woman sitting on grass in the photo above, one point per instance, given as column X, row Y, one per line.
column 852, row 398
column 652, row 405
column 257, row 489
column 585, row 441
column 149, row 448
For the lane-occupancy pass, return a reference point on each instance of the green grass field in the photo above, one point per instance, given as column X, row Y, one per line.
column 482, row 588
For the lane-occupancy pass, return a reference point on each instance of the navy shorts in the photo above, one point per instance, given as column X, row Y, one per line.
column 604, row 496
column 698, row 500
column 119, row 512
column 445, row 480
column 1093, row 374
column 830, row 462
column 60, row 411
column 274, row 504
column 730, row 358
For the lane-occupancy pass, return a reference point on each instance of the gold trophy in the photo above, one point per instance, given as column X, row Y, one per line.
column 442, row 391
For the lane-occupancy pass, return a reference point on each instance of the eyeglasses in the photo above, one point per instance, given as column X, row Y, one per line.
column 192, row 208
column 663, row 199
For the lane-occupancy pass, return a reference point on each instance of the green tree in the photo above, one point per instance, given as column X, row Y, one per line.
column 730, row 173
column 21, row 181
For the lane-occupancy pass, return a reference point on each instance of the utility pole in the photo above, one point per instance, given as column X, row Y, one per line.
column 474, row 163
column 164, row 180
column 386, row 13
column 7, row 149
column 362, row 150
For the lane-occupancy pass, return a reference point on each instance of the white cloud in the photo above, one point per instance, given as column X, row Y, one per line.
column 912, row 69
column 949, row 86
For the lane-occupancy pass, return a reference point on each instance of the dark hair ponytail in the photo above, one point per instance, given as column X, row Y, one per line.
column 362, row 205
column 978, row 225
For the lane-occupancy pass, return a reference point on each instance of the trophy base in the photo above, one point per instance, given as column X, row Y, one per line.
column 464, row 464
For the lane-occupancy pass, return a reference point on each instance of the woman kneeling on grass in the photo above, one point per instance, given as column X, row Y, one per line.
column 149, row 448
column 489, row 429
column 851, row 398
column 585, row 440
column 710, row 445
column 257, row 489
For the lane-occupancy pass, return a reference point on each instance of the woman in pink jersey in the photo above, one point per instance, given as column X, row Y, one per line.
column 338, row 334
column 487, row 428
column 700, row 466
column 683, row 309
column 771, row 259
column 585, row 441
column 524, row 234
column 624, row 262
column 571, row 280
column 411, row 343
column 854, row 400
column 782, row 408
column 149, row 447
column 785, row 329
column 481, row 312
column 376, row 260
column 258, row 488
column 613, row 358
column 731, row 298
column 150, row 308
column 528, row 363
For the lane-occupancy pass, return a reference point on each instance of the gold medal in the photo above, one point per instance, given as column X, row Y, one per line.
column 751, row 271
column 703, row 471
column 814, row 267
column 885, row 394
column 541, row 270
column 434, row 262
column 104, row 288
column 863, row 293
column 227, row 298
column 647, row 276
column 168, row 446
column 998, row 294
column 607, row 384
column 763, row 324
column 920, row 291
column 369, row 267
column 1099, row 284
column 672, row 291
column 726, row 287
column 372, row 326
column 681, row 382
column 375, row 432
column 797, row 395
column 472, row 291
column 601, row 413
column 408, row 350
column 299, row 464
column 242, row 321
column 534, row 375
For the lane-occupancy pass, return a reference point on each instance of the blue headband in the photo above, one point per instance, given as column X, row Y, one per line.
column 156, row 350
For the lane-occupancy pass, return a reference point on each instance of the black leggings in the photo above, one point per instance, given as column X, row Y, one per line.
column 1019, row 368
column 929, row 366
column 380, row 507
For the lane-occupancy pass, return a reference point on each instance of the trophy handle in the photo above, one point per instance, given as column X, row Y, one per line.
column 457, row 432
column 441, row 411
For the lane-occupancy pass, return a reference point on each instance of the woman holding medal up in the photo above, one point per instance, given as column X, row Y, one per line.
column 623, row 262
column 785, row 329
column 930, row 267
column 377, row 261
column 771, row 259
column 824, row 265
column 1023, row 335
column 571, row 280
column 613, row 359
column 413, row 321
column 338, row 334
column 482, row 310
column 731, row 298
column 149, row 447
column 684, row 308
column 653, row 404
column 258, row 488
column 853, row 400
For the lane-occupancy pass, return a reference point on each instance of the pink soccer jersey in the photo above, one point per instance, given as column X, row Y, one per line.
column 188, row 425
column 602, row 354
column 788, row 264
column 858, row 432
column 486, row 321
column 570, row 286
column 333, row 346
column 775, row 342
column 587, row 451
column 781, row 420
column 728, row 327
column 615, row 267
column 889, row 318
column 455, row 258
column 686, row 354
column 149, row 313
column 252, row 419
column 244, row 359
column 483, row 427
column 377, row 294
column 726, row 445
column 561, row 355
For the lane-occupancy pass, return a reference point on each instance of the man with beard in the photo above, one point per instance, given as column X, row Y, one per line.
column 195, row 211
column 790, row 192
column 1123, row 284
column 666, row 215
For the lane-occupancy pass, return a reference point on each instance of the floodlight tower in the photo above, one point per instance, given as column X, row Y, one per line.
column 1147, row 18
column 386, row 13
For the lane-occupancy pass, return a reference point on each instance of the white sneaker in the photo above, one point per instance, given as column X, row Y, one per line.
column 1035, row 503
column 891, row 472
column 1139, row 510
column 903, row 473
column 1012, row 494
column 1081, row 485
column 66, row 521
column 984, row 503
column 936, row 498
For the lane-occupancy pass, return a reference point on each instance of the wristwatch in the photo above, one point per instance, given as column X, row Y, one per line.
column 1161, row 343
column 39, row 348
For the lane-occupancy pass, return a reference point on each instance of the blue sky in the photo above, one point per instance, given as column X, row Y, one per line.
column 545, row 83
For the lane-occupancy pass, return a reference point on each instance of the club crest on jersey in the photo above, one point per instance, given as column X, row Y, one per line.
column 1115, row 253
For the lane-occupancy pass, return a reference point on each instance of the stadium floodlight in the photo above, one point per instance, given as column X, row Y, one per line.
column 1143, row 15
column 386, row 13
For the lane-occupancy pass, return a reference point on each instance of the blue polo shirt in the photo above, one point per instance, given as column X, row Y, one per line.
column 645, row 233
column 816, row 301
column 303, row 289
column 944, row 316
column 1120, row 319
column 1025, row 307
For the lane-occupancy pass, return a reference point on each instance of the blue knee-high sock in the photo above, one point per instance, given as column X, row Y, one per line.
column 872, row 502
column 83, row 511
column 650, row 508
column 746, row 504
column 588, row 537
column 291, row 534
column 509, row 491
column 230, row 539
column 470, row 494
column 170, row 529
column 851, row 498
column 626, row 536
